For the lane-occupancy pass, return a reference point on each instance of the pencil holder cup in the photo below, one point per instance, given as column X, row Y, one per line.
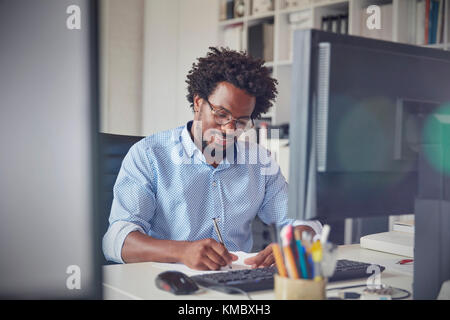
column 299, row 289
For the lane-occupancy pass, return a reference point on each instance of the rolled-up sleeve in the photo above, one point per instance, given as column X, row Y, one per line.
column 115, row 237
column 133, row 204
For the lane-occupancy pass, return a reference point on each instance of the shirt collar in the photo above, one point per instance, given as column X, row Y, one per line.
column 190, row 147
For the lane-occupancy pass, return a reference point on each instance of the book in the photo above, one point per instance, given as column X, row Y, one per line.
column 434, row 10
column 232, row 37
column 442, row 10
column 427, row 22
column 223, row 10
column 334, row 24
column 261, row 6
column 256, row 41
column 326, row 24
column 268, row 34
column 439, row 22
column 420, row 22
column 230, row 9
column 430, row 20
column 343, row 24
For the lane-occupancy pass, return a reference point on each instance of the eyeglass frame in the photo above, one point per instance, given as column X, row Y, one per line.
column 231, row 116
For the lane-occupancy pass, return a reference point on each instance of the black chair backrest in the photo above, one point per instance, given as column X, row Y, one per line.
column 113, row 148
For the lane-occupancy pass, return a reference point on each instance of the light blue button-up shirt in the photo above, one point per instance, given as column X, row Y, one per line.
column 167, row 190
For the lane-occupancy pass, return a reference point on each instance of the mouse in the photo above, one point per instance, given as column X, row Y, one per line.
column 175, row 282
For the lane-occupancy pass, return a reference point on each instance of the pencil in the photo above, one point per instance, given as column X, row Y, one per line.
column 276, row 249
column 279, row 260
column 291, row 265
column 219, row 235
column 290, row 262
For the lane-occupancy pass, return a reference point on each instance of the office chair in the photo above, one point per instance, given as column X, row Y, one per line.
column 113, row 148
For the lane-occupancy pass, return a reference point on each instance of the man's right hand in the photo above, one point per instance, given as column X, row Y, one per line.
column 206, row 254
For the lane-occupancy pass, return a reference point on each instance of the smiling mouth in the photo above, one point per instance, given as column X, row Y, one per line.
column 222, row 140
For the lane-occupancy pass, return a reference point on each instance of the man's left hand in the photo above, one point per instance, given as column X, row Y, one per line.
column 265, row 257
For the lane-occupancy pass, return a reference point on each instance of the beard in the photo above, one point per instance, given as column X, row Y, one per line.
column 214, row 144
column 215, row 153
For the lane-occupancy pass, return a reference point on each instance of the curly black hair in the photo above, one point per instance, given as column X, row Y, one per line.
column 236, row 67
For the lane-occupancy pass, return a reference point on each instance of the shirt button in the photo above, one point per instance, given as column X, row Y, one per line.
column 214, row 184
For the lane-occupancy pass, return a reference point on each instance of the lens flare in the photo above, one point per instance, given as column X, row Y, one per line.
column 436, row 138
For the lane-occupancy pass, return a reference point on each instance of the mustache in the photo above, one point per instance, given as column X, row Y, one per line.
column 223, row 135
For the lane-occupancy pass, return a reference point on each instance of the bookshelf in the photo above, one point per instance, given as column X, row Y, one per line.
column 401, row 21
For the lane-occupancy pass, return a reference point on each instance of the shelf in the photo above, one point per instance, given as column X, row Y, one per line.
column 261, row 16
column 437, row 45
column 228, row 22
column 295, row 9
column 284, row 63
column 310, row 14
column 312, row 5
column 327, row 3
column 250, row 18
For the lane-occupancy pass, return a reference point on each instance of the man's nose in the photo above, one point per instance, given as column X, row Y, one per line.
column 230, row 127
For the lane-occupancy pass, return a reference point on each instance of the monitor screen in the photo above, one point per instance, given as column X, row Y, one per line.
column 370, row 136
column 358, row 115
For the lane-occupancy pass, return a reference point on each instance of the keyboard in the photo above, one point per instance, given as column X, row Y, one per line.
column 258, row 279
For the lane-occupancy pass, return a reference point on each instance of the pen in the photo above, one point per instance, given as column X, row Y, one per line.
column 301, row 255
column 317, row 258
column 286, row 234
column 219, row 235
column 306, row 242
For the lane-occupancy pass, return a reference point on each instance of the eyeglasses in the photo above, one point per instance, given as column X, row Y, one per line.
column 224, row 117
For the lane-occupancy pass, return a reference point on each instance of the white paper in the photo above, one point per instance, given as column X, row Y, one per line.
column 236, row 265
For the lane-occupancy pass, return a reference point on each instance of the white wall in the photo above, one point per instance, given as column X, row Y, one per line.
column 176, row 33
column 122, row 34
column 147, row 49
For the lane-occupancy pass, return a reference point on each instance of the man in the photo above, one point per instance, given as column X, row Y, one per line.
column 172, row 184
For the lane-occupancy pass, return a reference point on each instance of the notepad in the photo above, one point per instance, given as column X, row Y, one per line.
column 236, row 265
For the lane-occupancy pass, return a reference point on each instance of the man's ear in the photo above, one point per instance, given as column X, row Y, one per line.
column 197, row 103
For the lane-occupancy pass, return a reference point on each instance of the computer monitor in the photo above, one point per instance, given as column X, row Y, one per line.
column 49, row 244
column 369, row 137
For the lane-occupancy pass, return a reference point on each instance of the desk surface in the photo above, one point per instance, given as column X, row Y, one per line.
column 137, row 280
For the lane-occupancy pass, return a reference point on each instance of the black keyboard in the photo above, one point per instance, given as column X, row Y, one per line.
column 249, row 280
